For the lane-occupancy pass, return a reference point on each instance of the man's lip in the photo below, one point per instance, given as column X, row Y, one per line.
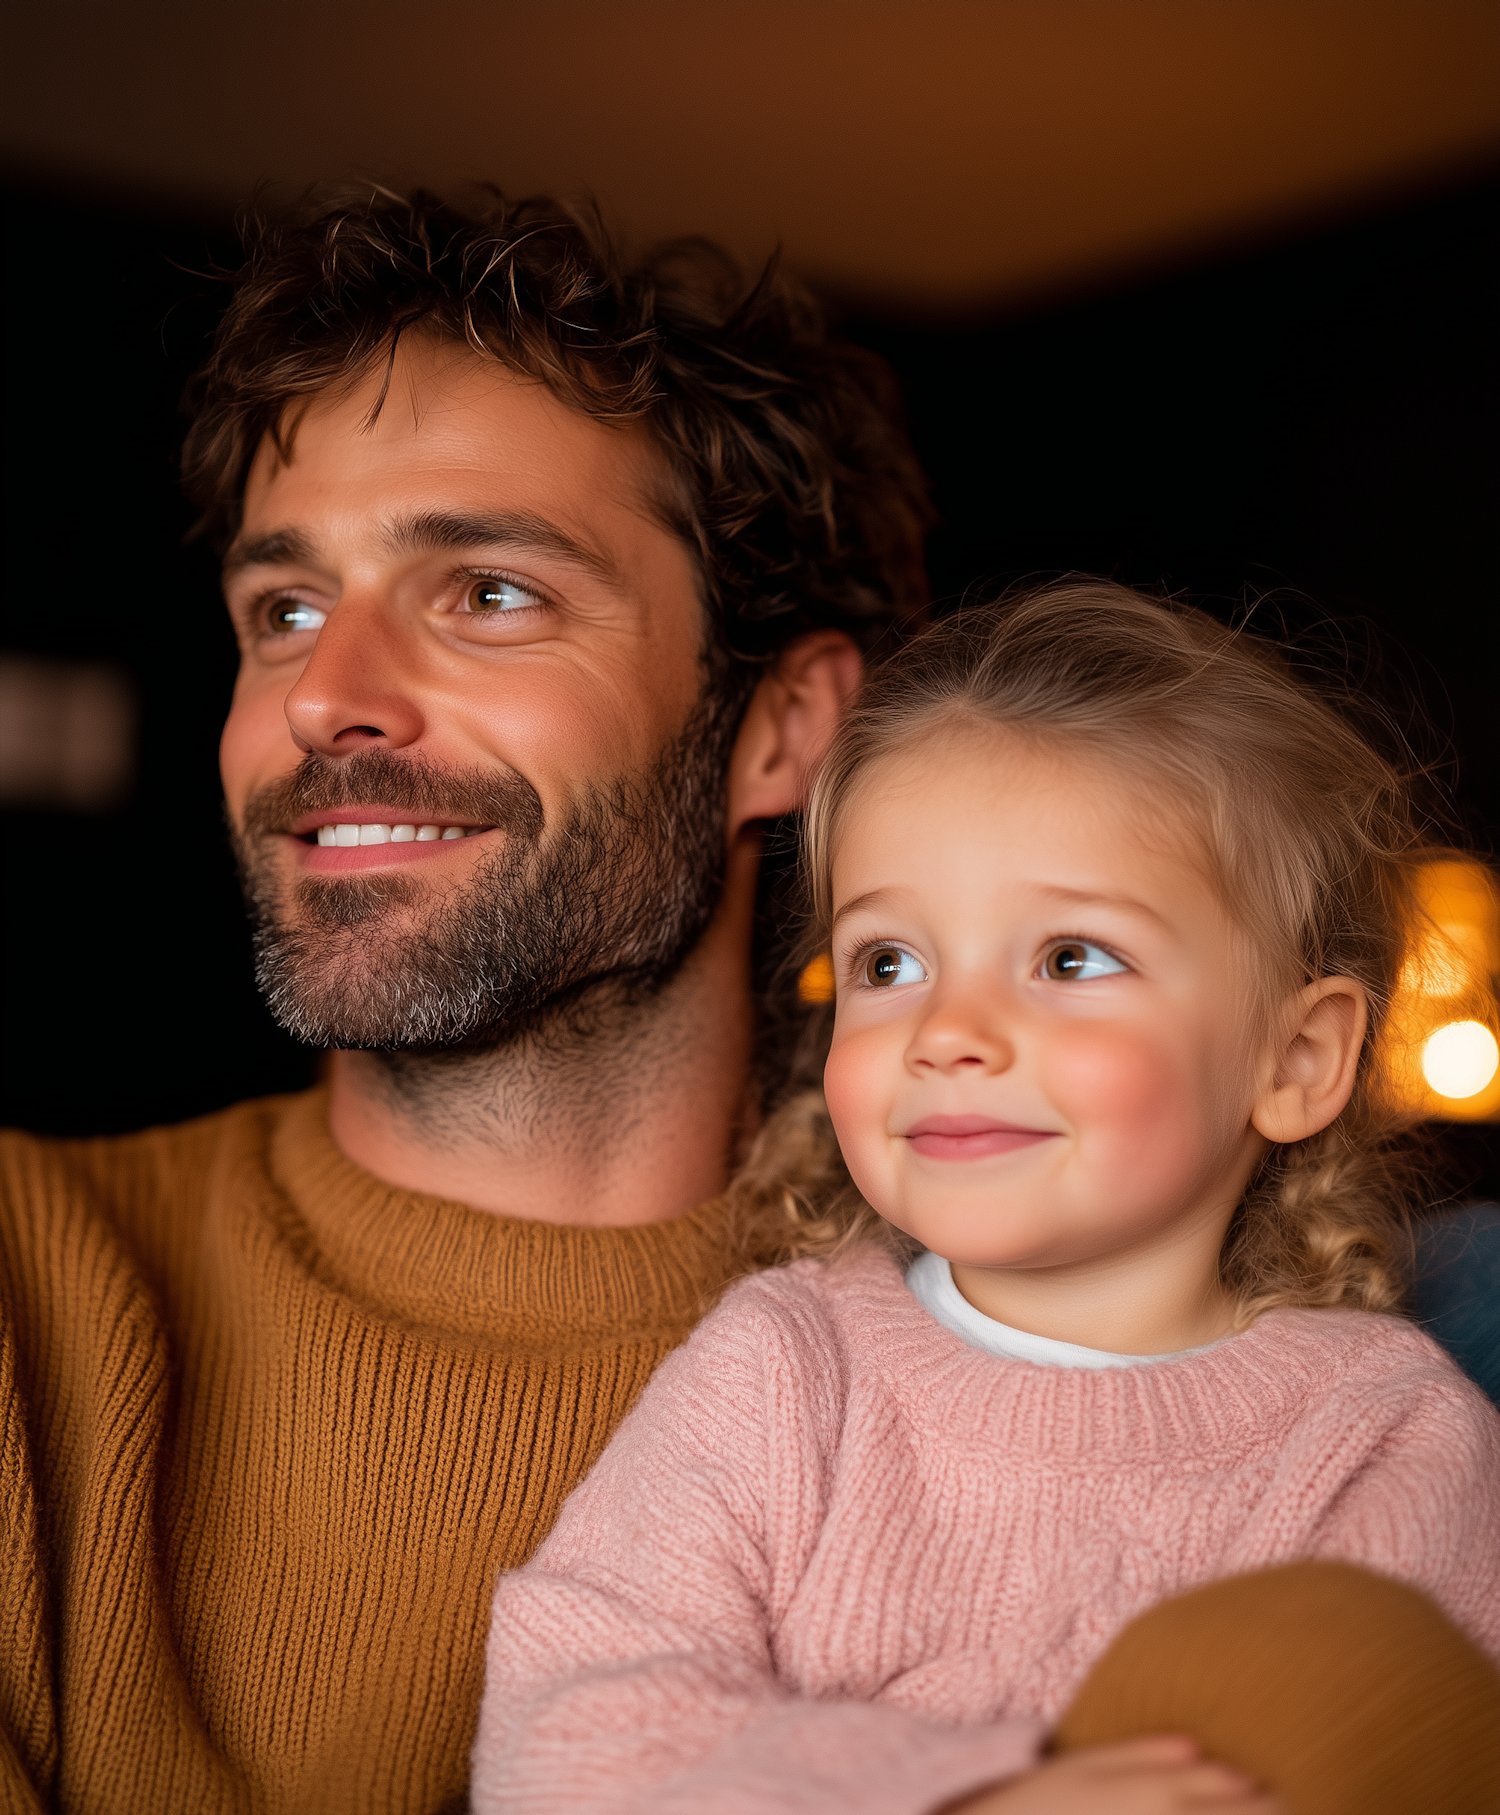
column 378, row 815
column 347, row 860
column 970, row 1137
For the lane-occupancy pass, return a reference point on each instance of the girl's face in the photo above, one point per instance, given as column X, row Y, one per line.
column 1043, row 1052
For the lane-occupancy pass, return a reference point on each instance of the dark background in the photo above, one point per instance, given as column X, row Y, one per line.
column 1306, row 425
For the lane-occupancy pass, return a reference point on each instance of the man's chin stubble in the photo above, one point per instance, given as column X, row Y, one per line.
column 362, row 965
column 547, row 934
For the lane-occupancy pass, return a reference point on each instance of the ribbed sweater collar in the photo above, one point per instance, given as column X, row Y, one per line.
column 431, row 1262
column 1234, row 1397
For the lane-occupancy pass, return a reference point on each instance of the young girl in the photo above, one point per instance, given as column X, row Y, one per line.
column 1114, row 906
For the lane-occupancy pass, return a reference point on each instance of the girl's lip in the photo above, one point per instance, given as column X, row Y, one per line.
column 970, row 1137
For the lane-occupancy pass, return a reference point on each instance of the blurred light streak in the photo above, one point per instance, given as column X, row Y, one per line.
column 67, row 735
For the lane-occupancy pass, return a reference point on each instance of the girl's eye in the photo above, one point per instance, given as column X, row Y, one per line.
column 287, row 616
column 890, row 965
column 493, row 598
column 1074, row 960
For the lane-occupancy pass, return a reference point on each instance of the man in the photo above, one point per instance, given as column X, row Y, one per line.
column 550, row 575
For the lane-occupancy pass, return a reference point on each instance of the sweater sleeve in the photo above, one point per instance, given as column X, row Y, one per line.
column 1423, row 1503
column 631, row 1664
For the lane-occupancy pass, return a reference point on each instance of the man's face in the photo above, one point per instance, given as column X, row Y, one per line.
column 469, row 762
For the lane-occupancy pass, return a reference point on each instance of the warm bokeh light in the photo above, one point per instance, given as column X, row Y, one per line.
column 1460, row 1059
column 1441, row 1046
column 816, row 982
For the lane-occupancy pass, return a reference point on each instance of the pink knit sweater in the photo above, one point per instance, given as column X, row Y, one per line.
column 835, row 1559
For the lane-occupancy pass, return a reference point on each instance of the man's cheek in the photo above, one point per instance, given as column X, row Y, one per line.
column 255, row 746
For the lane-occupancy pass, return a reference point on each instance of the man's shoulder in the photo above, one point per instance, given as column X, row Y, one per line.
column 137, row 1184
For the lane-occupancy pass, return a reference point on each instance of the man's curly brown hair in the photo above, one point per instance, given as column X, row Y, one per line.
column 799, row 491
column 793, row 481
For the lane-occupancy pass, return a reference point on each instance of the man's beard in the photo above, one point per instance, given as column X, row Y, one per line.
column 606, row 905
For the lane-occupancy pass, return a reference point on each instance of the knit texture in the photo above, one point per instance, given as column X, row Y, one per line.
column 836, row 1559
column 270, row 1429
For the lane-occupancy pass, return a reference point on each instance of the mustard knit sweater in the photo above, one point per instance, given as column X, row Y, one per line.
column 271, row 1427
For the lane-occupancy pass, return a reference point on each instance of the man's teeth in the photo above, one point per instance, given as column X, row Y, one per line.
column 351, row 835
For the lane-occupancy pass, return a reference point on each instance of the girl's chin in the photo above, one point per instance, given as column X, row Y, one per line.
column 1046, row 1223
column 969, row 1236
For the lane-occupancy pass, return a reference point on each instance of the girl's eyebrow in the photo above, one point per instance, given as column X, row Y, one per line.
column 1066, row 897
column 868, row 899
column 1092, row 898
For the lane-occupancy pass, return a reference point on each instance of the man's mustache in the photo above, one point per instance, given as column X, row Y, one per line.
column 406, row 784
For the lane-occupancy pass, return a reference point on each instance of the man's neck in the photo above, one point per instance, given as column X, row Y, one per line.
column 612, row 1115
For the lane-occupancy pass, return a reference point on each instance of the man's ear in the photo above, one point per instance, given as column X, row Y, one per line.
column 1316, row 1063
column 791, row 717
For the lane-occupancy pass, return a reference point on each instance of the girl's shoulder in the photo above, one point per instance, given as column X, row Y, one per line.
column 1369, row 1356
column 1378, row 1339
column 815, row 1316
column 832, row 1295
column 782, row 1348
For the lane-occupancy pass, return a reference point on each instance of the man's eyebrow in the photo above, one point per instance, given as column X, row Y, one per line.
column 279, row 547
column 432, row 530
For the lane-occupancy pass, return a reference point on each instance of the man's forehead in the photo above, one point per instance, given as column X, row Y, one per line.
column 435, row 401
column 498, row 456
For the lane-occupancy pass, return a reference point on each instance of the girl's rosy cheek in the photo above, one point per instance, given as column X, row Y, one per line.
column 859, row 1081
column 1116, row 1082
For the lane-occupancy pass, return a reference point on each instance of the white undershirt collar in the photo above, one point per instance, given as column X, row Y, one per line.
column 931, row 1281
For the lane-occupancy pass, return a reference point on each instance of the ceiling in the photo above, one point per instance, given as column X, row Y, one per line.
column 928, row 153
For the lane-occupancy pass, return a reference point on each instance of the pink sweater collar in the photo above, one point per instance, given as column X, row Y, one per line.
column 1238, row 1396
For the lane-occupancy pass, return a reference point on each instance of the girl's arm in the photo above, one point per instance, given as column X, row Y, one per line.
column 1397, row 1470
column 630, row 1663
column 1424, row 1505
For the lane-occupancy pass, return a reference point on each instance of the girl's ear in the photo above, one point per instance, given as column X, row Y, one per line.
column 1315, row 1066
column 791, row 717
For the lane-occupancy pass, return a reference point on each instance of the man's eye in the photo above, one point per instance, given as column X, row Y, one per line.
column 492, row 598
column 1074, row 960
column 890, row 965
column 289, row 615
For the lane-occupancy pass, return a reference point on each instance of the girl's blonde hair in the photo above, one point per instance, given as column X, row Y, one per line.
column 1308, row 834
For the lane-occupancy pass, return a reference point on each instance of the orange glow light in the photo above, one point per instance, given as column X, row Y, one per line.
column 1442, row 1040
column 816, row 982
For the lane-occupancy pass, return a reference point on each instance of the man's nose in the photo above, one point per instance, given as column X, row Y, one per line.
column 964, row 1030
column 354, row 689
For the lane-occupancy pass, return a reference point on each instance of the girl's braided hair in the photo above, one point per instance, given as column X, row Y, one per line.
column 1310, row 836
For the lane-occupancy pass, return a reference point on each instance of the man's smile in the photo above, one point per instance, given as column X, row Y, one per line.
column 339, row 840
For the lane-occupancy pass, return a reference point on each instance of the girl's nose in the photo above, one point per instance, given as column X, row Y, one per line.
column 961, row 1035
